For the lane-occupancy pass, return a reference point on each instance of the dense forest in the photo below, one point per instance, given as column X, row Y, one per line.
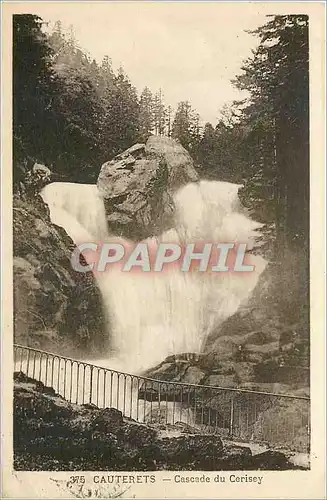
column 72, row 113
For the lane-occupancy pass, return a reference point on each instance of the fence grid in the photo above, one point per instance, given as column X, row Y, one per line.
column 275, row 419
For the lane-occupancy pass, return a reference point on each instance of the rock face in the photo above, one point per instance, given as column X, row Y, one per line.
column 55, row 307
column 52, row 434
column 252, row 349
column 137, row 186
column 262, row 350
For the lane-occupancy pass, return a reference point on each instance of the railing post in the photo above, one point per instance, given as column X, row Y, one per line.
column 28, row 362
column 231, row 421
column 111, row 390
column 91, row 385
column 104, row 387
column 34, row 365
column 124, row 396
column 137, row 401
column 21, row 360
column 131, row 396
column 144, row 401
column 159, row 402
column 98, row 380
column 46, row 370
column 118, row 379
column 174, row 396
column 65, row 378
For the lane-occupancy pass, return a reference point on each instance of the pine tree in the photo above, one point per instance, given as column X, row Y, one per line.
column 207, row 151
column 122, row 115
column 106, row 77
column 278, row 78
column 195, row 131
column 181, row 128
column 35, row 87
column 186, row 127
column 159, row 113
column 146, row 114
column 169, row 115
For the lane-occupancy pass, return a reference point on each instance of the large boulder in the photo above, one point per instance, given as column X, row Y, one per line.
column 138, row 186
column 55, row 307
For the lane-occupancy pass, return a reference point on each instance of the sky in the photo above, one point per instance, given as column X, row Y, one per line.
column 190, row 50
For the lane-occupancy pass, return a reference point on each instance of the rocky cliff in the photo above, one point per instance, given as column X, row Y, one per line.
column 56, row 308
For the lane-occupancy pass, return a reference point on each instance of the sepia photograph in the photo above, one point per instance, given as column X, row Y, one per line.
column 160, row 189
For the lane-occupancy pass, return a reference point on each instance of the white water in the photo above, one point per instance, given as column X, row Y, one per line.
column 153, row 315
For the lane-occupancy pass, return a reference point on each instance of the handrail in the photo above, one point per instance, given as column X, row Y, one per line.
column 164, row 382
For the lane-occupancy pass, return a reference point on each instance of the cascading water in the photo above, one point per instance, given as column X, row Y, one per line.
column 78, row 208
column 153, row 315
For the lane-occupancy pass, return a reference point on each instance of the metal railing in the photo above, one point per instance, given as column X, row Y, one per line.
column 239, row 414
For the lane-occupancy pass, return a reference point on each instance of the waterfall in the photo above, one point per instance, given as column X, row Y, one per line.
column 154, row 315
column 78, row 208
